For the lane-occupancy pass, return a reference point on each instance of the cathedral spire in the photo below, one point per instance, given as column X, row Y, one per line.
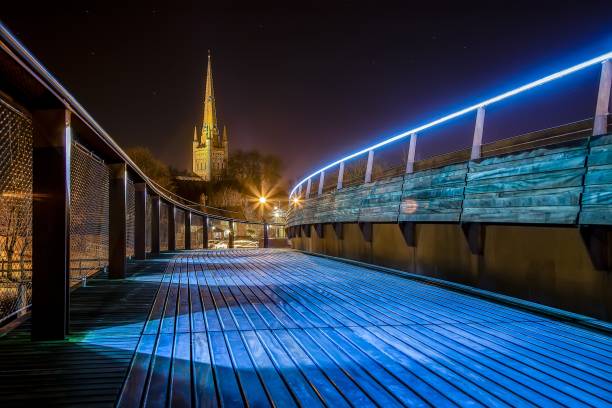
column 209, row 125
column 195, row 134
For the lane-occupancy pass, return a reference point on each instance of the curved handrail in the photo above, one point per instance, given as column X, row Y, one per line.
column 599, row 59
column 26, row 60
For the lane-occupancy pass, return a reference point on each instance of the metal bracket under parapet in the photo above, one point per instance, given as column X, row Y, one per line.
column 474, row 233
column 366, row 230
column 408, row 230
column 320, row 230
column 306, row 230
column 598, row 242
column 339, row 230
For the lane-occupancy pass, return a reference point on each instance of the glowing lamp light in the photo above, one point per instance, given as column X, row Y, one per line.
column 262, row 200
column 530, row 85
column 296, row 200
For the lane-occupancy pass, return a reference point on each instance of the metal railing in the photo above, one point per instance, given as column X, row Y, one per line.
column 366, row 172
column 72, row 202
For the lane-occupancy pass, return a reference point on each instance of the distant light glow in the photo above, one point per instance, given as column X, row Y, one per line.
column 462, row 112
column 262, row 200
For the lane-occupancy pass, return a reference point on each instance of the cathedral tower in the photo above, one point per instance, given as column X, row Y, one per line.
column 210, row 150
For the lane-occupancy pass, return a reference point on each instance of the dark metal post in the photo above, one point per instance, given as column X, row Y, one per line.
column 171, row 227
column 50, row 224
column 155, row 224
column 230, row 243
column 140, row 223
column 117, row 239
column 266, row 243
column 205, row 232
column 187, row 229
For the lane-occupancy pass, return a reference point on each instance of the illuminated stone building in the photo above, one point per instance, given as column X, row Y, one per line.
column 210, row 148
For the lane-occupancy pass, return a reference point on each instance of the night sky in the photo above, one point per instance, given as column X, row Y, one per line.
column 315, row 82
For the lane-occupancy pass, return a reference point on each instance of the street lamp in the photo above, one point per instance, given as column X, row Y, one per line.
column 262, row 200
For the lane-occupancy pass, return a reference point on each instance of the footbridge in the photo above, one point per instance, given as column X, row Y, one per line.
column 475, row 278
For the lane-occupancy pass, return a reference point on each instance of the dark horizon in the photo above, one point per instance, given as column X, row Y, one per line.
column 314, row 83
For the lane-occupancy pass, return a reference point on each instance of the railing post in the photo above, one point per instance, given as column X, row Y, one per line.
column 171, row 227
column 368, row 173
column 477, row 141
column 52, row 141
column 230, row 240
column 205, row 232
column 411, row 154
column 187, row 229
column 140, row 221
column 340, row 176
column 299, row 191
column 155, row 208
column 308, row 185
column 117, row 234
column 266, row 241
column 321, row 182
column 600, row 126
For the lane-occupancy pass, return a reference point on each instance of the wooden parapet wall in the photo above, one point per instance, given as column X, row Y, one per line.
column 433, row 195
column 533, row 187
column 597, row 196
column 562, row 184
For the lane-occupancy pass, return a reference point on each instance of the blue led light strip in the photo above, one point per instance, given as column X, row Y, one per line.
column 461, row 112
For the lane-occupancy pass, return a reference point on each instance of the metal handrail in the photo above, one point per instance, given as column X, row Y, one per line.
column 601, row 113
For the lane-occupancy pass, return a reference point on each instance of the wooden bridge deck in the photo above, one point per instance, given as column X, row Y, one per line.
column 276, row 327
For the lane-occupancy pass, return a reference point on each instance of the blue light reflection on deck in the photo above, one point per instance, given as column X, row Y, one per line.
column 462, row 112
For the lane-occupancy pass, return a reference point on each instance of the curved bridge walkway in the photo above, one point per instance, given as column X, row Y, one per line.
column 278, row 327
column 262, row 327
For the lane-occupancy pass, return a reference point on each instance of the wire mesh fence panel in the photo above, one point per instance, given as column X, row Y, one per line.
column 218, row 234
column 89, row 214
column 179, row 227
column 130, row 218
column 248, row 235
column 15, row 211
column 163, row 226
column 148, row 224
column 276, row 232
column 197, row 237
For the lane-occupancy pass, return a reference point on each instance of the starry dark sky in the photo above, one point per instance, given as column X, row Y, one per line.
column 313, row 82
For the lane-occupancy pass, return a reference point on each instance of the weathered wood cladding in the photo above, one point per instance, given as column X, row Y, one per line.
column 433, row 195
column 569, row 183
column 597, row 195
column 536, row 186
column 381, row 204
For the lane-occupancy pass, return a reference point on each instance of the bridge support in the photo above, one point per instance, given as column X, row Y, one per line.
column 320, row 230
column 171, row 227
column 411, row 154
column 187, row 229
column 52, row 140
column 306, row 230
column 140, row 222
column 117, row 239
column 478, row 129
column 266, row 240
column 321, row 182
column 368, row 172
column 367, row 230
column 475, row 235
column 339, row 230
column 597, row 240
column 600, row 126
column 205, row 232
column 408, row 230
column 230, row 241
column 155, row 207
